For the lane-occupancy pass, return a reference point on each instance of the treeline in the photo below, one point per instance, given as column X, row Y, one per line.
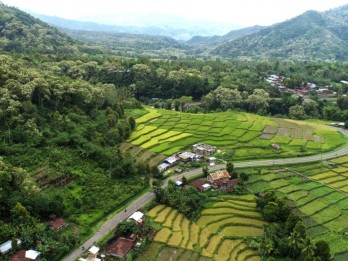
column 59, row 140
column 287, row 105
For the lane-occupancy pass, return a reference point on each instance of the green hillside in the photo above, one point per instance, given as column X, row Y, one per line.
column 310, row 36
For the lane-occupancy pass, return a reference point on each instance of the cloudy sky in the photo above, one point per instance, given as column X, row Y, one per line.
column 241, row 12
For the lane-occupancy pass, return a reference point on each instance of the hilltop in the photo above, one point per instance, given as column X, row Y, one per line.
column 310, row 36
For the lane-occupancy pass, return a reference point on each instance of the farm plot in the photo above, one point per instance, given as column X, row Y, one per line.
column 168, row 132
column 177, row 231
column 324, row 209
column 232, row 216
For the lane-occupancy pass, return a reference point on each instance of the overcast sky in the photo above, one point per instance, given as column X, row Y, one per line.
column 240, row 12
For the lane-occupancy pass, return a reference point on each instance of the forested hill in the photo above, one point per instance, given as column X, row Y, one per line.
column 232, row 35
column 124, row 42
column 22, row 33
column 310, row 36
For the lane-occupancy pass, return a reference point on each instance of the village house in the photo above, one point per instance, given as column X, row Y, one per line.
column 7, row 246
column 219, row 175
column 200, row 184
column 168, row 162
column 137, row 217
column 163, row 166
column 203, row 149
column 23, row 255
column 121, row 247
column 57, row 224
column 225, row 184
column 189, row 156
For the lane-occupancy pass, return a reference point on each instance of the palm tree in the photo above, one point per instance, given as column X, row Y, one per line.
column 308, row 249
column 295, row 243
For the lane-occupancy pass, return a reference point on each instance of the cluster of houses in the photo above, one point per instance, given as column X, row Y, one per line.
column 218, row 180
column 303, row 89
column 21, row 255
column 120, row 247
column 28, row 255
column 199, row 151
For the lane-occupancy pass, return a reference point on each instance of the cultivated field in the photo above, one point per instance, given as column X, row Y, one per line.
column 325, row 209
column 164, row 132
column 217, row 235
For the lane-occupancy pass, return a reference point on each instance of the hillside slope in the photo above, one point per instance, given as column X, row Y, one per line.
column 125, row 41
column 232, row 35
column 310, row 36
column 20, row 32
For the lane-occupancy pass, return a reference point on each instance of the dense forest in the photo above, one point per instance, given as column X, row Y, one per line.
column 63, row 113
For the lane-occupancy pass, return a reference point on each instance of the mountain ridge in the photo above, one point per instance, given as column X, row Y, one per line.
column 310, row 36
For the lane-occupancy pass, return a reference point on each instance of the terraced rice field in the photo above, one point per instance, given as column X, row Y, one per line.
column 166, row 132
column 232, row 216
column 325, row 209
column 219, row 237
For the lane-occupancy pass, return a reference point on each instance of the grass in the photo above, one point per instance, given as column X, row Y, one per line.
column 168, row 132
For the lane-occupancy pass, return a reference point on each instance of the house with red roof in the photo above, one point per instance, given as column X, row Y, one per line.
column 120, row 247
column 219, row 175
column 57, row 224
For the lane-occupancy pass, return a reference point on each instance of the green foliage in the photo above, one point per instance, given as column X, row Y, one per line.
column 322, row 250
column 186, row 200
column 126, row 228
column 230, row 169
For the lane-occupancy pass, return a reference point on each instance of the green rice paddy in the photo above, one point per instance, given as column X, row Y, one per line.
column 248, row 136
column 322, row 199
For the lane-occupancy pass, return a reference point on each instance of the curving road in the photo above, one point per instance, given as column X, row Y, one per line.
column 112, row 223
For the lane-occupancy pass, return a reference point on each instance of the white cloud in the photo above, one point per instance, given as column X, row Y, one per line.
column 243, row 12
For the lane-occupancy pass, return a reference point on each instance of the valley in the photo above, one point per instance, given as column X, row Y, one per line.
column 155, row 143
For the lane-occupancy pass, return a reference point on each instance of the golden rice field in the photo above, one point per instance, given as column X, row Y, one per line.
column 210, row 233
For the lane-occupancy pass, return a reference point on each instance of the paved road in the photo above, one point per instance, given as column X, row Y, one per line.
column 112, row 223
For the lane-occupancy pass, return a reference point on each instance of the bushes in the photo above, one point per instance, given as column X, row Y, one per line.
column 186, row 200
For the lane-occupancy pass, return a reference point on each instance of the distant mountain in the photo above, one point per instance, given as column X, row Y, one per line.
column 20, row 32
column 310, row 36
column 232, row 35
column 123, row 41
column 174, row 27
